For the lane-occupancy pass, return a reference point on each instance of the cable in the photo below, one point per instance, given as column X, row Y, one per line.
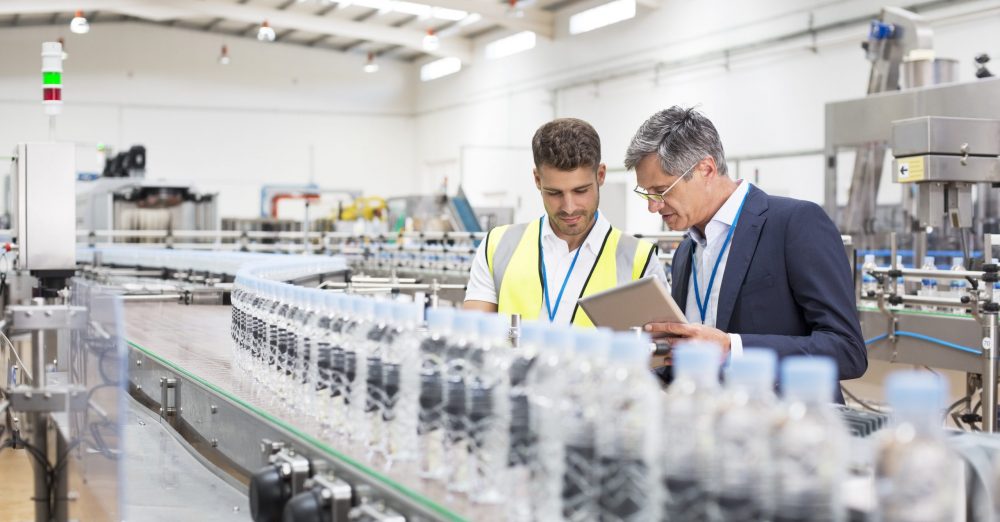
column 863, row 404
column 922, row 337
column 24, row 369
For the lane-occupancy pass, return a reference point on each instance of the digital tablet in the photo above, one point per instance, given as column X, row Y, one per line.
column 633, row 305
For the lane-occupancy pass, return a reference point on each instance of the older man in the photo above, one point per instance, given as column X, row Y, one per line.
column 756, row 270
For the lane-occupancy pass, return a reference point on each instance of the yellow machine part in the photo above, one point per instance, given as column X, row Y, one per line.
column 364, row 207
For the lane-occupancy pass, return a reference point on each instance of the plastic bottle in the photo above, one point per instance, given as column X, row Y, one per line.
column 578, row 419
column 957, row 286
column 401, row 374
column 381, row 333
column 746, row 418
column 523, row 440
column 324, row 341
column 917, row 475
column 688, row 432
column 868, row 282
column 545, row 390
column 431, row 427
column 458, row 370
column 928, row 285
column 356, row 346
column 303, row 378
column 343, row 366
column 488, row 410
column 628, row 433
column 809, row 444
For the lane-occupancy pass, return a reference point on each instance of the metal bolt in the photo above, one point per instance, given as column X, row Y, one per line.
column 138, row 387
column 48, row 313
column 27, row 395
column 214, row 408
column 47, row 395
column 214, row 443
column 138, row 362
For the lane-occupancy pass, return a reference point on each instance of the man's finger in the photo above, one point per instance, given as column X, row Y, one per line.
column 670, row 328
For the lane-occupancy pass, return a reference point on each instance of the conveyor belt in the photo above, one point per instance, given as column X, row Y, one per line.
column 192, row 343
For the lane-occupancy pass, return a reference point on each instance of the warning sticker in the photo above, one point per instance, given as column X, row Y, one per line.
column 910, row 169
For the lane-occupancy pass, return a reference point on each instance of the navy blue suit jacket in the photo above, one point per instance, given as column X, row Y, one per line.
column 787, row 285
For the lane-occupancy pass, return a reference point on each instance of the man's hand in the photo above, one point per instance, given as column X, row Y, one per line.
column 687, row 332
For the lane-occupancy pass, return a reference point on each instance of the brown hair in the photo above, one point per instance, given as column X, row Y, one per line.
column 566, row 144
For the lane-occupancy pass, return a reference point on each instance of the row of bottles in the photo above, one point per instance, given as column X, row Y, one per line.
column 927, row 286
column 571, row 425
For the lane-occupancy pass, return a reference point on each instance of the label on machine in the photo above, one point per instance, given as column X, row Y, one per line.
column 909, row 169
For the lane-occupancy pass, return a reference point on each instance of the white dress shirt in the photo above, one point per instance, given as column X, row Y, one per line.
column 558, row 258
column 706, row 252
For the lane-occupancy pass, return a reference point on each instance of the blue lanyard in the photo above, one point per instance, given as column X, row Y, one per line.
column 703, row 303
column 545, row 284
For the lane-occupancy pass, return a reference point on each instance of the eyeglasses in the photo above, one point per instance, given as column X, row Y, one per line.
column 659, row 197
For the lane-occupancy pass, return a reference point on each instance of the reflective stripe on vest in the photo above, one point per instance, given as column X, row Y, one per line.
column 515, row 264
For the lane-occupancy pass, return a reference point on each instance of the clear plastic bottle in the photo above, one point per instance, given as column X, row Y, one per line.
column 928, row 285
column 458, row 371
column 325, row 339
column 688, row 431
column 917, row 475
column 628, row 433
column 298, row 349
column 488, row 410
column 523, row 440
column 957, row 286
column 272, row 318
column 401, row 374
column 810, row 444
column 356, row 346
column 578, row 418
column 545, row 390
column 868, row 282
column 343, row 366
column 380, row 335
column 746, row 419
column 433, row 358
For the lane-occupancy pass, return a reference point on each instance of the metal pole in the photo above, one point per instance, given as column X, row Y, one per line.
column 40, row 440
column 38, row 359
column 989, row 395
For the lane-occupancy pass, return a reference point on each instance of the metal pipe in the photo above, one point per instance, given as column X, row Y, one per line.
column 151, row 297
column 938, row 274
column 38, row 359
column 989, row 396
column 930, row 301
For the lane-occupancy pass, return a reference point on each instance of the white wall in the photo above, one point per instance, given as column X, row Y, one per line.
column 276, row 114
column 764, row 102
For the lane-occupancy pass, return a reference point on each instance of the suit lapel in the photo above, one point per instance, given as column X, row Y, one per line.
column 744, row 243
column 681, row 273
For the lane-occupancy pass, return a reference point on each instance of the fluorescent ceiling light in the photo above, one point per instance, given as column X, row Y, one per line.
column 602, row 15
column 513, row 44
column 440, row 68
column 422, row 11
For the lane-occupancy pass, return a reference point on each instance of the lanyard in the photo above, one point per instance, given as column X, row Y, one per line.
column 545, row 284
column 703, row 304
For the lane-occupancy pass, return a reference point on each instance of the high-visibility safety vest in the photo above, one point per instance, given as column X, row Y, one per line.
column 515, row 263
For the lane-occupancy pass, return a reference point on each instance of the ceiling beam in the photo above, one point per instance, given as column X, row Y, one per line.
column 180, row 9
column 530, row 19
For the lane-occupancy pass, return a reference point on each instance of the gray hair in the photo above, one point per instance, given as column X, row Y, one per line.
column 680, row 138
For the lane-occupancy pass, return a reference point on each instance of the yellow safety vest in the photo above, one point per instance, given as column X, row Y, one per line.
column 514, row 261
